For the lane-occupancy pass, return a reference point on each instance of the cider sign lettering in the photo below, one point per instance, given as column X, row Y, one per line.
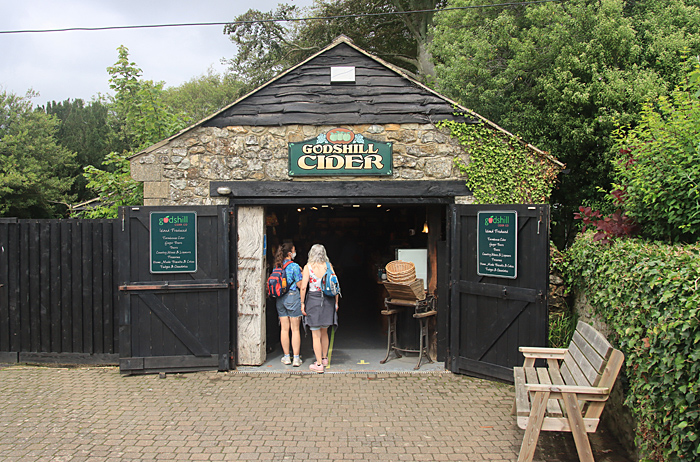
column 340, row 152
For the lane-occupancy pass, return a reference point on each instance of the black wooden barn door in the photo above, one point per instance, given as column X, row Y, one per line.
column 175, row 310
column 498, row 286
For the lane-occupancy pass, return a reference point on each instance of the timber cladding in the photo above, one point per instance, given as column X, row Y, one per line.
column 305, row 95
column 58, row 290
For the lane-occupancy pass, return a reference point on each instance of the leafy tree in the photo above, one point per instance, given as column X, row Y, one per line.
column 139, row 106
column 562, row 74
column 113, row 185
column 267, row 48
column 420, row 27
column 35, row 172
column 660, row 163
column 86, row 130
column 141, row 118
column 202, row 96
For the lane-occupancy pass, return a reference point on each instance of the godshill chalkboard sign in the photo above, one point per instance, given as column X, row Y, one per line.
column 173, row 242
column 497, row 244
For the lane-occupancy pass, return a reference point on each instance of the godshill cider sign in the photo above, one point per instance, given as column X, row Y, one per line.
column 340, row 152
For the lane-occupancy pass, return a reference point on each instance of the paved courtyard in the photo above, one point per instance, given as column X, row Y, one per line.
column 94, row 414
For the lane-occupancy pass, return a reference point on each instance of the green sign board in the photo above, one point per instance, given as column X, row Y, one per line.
column 497, row 244
column 173, row 242
column 340, row 152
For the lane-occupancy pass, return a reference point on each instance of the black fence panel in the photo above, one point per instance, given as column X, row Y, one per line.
column 58, row 291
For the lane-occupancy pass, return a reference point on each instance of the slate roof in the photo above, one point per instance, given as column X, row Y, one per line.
column 381, row 94
column 304, row 94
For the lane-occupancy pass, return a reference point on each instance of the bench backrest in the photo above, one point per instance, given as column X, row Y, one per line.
column 588, row 355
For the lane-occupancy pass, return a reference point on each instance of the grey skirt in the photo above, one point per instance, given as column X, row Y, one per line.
column 320, row 310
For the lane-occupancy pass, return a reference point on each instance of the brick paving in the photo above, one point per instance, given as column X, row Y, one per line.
column 94, row 414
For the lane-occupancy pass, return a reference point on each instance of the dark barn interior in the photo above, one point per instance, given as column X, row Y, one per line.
column 360, row 241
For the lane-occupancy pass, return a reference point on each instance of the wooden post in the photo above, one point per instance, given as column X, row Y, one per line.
column 251, row 281
column 434, row 234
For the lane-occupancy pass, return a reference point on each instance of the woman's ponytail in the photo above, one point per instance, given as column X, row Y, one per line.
column 282, row 251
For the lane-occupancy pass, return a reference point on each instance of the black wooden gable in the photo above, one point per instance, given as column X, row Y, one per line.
column 305, row 95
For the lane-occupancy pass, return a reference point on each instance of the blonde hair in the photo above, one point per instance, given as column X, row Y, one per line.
column 317, row 254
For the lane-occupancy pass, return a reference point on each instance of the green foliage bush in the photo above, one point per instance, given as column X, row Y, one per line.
column 648, row 293
column 660, row 163
column 35, row 171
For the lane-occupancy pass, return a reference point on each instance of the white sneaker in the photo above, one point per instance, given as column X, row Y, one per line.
column 297, row 361
column 286, row 360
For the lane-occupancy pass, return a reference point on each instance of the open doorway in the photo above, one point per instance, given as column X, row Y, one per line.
column 360, row 241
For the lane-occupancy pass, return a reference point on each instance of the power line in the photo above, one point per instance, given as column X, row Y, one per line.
column 262, row 21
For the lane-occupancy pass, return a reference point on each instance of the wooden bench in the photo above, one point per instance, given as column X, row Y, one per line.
column 569, row 395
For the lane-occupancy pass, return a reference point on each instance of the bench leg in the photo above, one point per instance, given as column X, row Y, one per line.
column 578, row 430
column 534, row 425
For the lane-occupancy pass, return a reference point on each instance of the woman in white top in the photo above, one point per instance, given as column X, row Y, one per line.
column 319, row 310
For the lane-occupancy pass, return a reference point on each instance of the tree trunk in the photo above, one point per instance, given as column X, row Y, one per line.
column 425, row 67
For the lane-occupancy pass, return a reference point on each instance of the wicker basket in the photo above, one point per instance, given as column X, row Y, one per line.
column 406, row 291
column 401, row 279
column 401, row 271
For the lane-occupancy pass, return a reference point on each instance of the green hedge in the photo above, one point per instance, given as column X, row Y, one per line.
column 649, row 294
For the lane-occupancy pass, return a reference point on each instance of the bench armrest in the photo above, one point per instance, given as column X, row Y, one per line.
column 552, row 355
column 543, row 353
column 541, row 387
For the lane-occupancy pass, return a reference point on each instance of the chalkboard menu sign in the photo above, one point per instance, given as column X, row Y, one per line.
column 173, row 242
column 497, row 244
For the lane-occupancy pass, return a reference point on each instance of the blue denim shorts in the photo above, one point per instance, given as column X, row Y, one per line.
column 319, row 327
column 289, row 305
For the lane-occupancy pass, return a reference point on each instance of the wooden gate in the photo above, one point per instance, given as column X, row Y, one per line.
column 498, row 286
column 175, row 308
column 58, row 291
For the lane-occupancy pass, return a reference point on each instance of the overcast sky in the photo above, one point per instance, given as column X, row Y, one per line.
column 62, row 65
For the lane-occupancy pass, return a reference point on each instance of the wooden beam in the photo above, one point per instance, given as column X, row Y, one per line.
column 347, row 190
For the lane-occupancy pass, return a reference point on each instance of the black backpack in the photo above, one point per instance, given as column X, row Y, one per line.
column 277, row 282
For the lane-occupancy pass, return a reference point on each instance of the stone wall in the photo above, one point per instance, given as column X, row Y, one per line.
column 178, row 172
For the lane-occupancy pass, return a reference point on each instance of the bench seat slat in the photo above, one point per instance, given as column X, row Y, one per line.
column 575, row 375
column 531, row 375
column 556, row 377
column 584, row 364
column 553, row 406
column 594, row 358
column 522, row 401
column 595, row 339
